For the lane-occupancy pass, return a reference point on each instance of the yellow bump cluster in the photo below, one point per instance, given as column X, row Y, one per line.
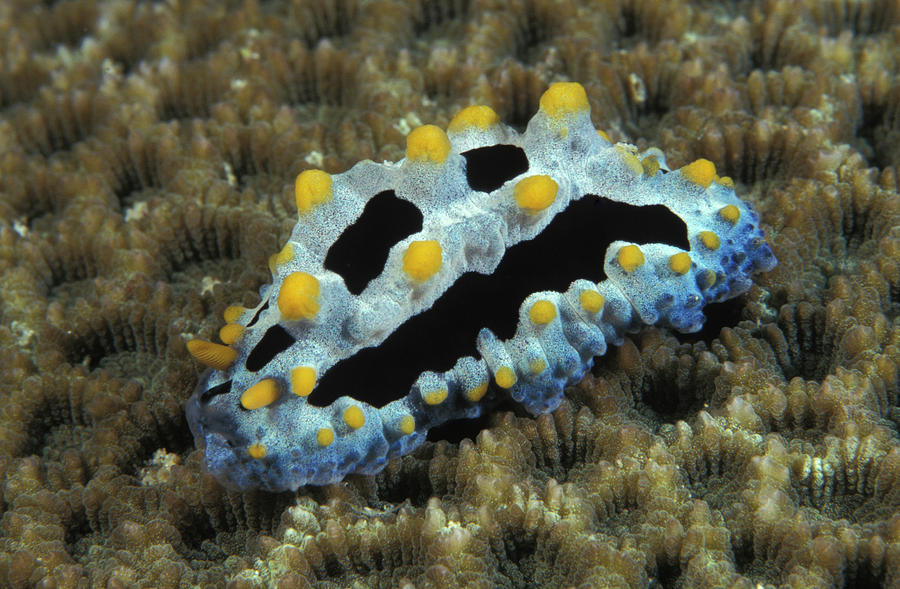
column 630, row 258
column 706, row 279
column 422, row 259
column 726, row 181
column 427, row 143
column 233, row 313
column 213, row 355
column 263, row 393
column 563, row 99
column 591, row 301
column 542, row 312
column 435, row 397
column 325, row 436
column 354, row 417
column 478, row 117
column 680, row 263
column 407, row 425
column 650, row 165
column 730, row 213
column 505, row 377
column 710, row 240
column 701, row 172
column 230, row 333
column 283, row 257
column 631, row 160
column 475, row 394
column 297, row 296
column 303, row 380
column 312, row 188
column 535, row 193
column 257, row 451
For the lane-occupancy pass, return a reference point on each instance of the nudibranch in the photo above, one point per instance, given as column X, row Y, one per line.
column 337, row 370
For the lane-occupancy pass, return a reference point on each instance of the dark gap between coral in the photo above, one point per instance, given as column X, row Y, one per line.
column 515, row 557
column 866, row 575
column 489, row 168
column 79, row 537
column 571, row 247
column 361, row 251
column 718, row 315
column 457, row 430
column 667, row 573
column 197, row 537
column 411, row 483
column 432, row 14
column 747, row 564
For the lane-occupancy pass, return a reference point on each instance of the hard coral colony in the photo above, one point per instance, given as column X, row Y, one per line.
column 254, row 410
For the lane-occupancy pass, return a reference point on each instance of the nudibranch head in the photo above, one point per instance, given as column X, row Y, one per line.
column 336, row 372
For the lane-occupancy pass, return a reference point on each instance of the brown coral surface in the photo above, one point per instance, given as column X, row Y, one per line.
column 147, row 155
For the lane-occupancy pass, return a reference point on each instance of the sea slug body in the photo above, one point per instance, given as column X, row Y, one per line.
column 255, row 410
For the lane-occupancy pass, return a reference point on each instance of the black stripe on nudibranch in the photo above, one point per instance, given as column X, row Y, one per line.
column 360, row 252
column 489, row 168
column 275, row 341
column 219, row 389
column 584, row 231
column 257, row 314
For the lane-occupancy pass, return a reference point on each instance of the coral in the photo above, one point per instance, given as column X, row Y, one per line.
column 148, row 153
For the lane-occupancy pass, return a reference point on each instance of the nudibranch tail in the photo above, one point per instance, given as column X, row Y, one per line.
column 258, row 410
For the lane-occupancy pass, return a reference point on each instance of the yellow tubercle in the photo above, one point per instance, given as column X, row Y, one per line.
column 422, row 259
column 407, row 425
column 233, row 313
column 706, row 279
column 435, row 397
column 505, row 377
column 726, row 181
column 591, row 301
column 283, row 257
column 427, row 143
column 479, row 117
column 710, row 240
column 325, row 436
column 650, row 165
column 354, row 417
column 563, row 99
column 535, row 193
column 680, row 263
column 604, row 135
column 475, row 394
column 213, row 355
column 631, row 160
column 630, row 258
column 303, row 380
column 263, row 393
column 230, row 333
column 730, row 213
column 297, row 296
column 537, row 366
column 312, row 188
column 257, row 451
column 701, row 172
column 542, row 312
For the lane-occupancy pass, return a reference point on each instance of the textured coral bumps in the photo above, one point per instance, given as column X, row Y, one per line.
column 255, row 411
